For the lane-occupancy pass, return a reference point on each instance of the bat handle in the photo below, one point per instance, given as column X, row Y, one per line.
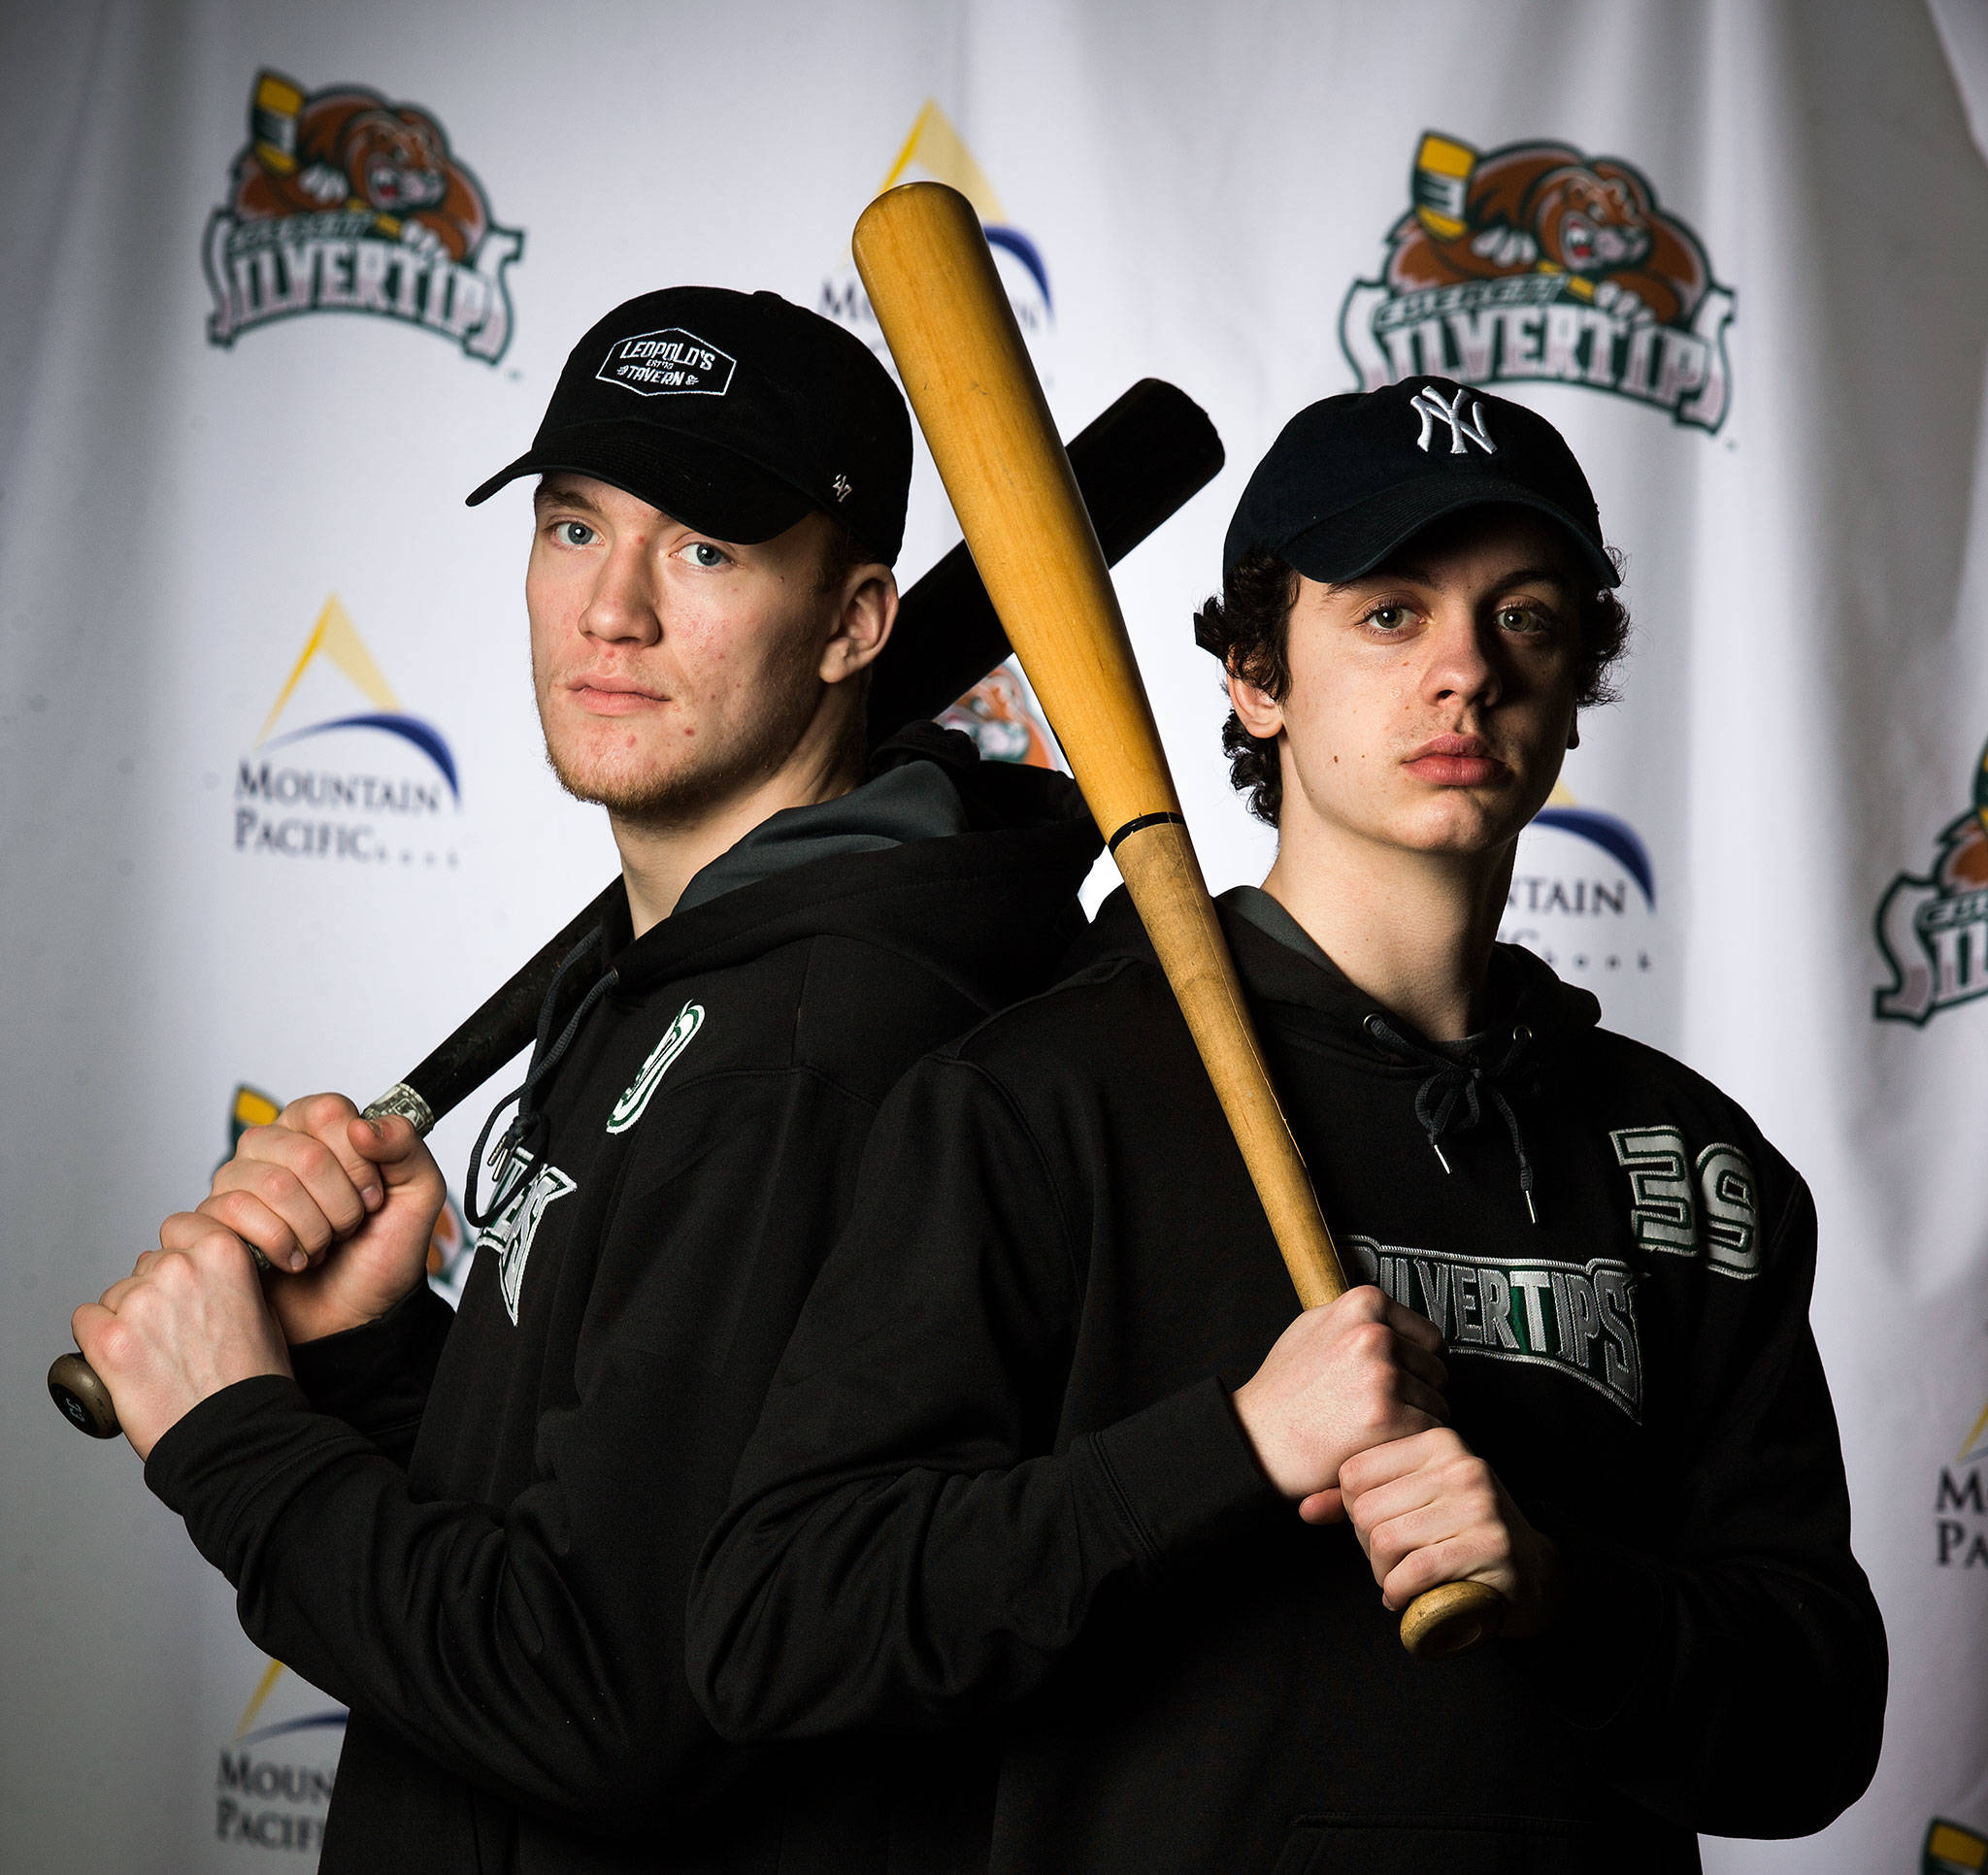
column 1452, row 1619
column 77, row 1388
column 83, row 1398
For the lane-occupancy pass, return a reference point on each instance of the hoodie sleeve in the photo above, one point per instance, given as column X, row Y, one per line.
column 376, row 1378
column 536, row 1649
column 905, row 1473
column 1743, row 1689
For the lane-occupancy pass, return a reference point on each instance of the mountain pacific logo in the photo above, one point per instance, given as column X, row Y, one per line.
column 377, row 805
column 1534, row 263
column 936, row 152
column 1960, row 1508
column 274, row 1795
column 343, row 201
column 1583, row 900
column 1934, row 928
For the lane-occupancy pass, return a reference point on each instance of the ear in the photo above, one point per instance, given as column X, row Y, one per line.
column 1258, row 712
column 863, row 627
column 1573, row 733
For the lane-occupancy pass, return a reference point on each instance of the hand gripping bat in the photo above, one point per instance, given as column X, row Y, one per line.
column 931, row 280
column 1135, row 466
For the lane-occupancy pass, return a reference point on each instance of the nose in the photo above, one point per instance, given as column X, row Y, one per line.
column 1460, row 667
column 623, row 607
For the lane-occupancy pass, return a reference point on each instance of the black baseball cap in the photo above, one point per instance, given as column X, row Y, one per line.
column 733, row 413
column 1351, row 478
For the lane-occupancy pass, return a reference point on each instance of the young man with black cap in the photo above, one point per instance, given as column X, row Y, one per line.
column 1086, row 1479
column 477, row 1529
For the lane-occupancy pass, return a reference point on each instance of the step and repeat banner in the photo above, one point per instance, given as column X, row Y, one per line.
column 280, row 284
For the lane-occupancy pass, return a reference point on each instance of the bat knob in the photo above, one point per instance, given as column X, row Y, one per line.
column 84, row 1400
column 1452, row 1619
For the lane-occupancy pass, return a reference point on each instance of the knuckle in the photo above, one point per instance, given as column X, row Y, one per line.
column 325, row 1110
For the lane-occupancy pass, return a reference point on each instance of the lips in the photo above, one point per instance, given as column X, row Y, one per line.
column 1456, row 762
column 605, row 695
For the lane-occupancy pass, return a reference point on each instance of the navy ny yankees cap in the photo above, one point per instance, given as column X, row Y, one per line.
column 735, row 413
column 1352, row 478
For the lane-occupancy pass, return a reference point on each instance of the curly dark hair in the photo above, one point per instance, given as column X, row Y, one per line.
column 1248, row 630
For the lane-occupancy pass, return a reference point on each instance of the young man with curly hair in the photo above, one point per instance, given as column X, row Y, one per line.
column 1048, row 1460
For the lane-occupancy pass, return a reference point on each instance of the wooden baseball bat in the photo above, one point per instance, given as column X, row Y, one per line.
column 931, row 279
column 1136, row 464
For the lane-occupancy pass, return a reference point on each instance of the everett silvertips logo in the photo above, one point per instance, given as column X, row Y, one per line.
column 381, row 780
column 1933, row 927
column 1538, row 263
column 343, row 201
column 1953, row 1848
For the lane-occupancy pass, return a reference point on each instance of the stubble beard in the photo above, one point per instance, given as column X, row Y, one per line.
column 681, row 795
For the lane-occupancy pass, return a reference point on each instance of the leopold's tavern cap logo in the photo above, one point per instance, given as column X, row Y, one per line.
column 1535, row 262
column 343, row 201
column 656, row 363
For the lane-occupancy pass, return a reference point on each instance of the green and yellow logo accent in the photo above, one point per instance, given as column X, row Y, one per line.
column 1537, row 262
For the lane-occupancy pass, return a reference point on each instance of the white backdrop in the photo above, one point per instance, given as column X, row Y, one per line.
column 1770, row 859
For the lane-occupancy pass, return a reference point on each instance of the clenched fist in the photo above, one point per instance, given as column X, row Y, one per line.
column 184, row 1324
column 1358, row 1372
column 1428, row 1511
column 346, row 1204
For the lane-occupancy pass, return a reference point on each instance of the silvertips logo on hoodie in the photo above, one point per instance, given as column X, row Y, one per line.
column 677, row 1038
column 1577, row 1317
column 511, row 1231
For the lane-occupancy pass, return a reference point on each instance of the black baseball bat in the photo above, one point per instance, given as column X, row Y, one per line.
column 1136, row 465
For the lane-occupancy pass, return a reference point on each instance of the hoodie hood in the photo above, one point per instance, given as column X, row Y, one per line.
column 1461, row 1084
column 964, row 870
column 1278, row 962
column 969, row 868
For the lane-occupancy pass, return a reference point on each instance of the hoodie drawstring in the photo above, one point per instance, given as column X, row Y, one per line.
column 517, row 1149
column 1450, row 1099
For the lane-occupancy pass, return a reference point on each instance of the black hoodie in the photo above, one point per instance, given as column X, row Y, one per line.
column 999, row 1474
column 478, row 1530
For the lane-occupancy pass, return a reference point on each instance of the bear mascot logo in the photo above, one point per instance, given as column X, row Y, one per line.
column 1933, row 927
column 1535, row 261
column 344, row 200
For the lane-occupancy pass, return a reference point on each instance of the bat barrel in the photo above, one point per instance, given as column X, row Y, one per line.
column 931, row 280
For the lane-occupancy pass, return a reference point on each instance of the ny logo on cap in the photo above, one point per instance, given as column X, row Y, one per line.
column 1427, row 403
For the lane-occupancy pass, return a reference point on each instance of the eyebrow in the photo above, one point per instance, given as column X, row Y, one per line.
column 567, row 493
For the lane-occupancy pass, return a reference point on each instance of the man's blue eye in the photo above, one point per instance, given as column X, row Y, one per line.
column 574, row 534
column 703, row 554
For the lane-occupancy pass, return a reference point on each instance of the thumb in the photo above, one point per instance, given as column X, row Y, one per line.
column 389, row 1143
column 1327, row 1506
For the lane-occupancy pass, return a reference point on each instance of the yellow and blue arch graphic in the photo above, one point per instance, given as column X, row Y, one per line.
column 1610, row 833
column 335, row 639
column 936, row 152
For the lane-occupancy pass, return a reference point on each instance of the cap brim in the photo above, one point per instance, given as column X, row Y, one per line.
column 1358, row 539
column 702, row 484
